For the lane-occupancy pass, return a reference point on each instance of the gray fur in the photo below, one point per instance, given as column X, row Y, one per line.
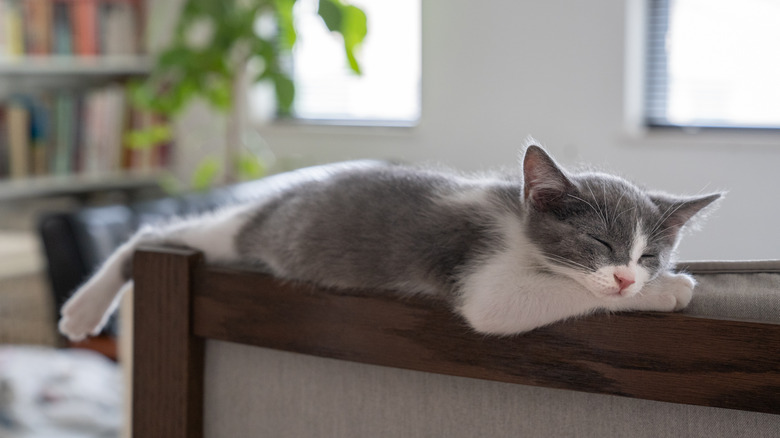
column 511, row 253
column 383, row 226
column 398, row 227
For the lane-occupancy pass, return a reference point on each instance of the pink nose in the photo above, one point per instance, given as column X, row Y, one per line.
column 624, row 281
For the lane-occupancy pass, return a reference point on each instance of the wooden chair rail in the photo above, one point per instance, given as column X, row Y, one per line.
column 180, row 302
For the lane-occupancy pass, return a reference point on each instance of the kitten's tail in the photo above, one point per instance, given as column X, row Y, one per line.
column 88, row 310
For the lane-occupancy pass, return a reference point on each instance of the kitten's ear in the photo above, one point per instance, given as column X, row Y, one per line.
column 677, row 212
column 545, row 184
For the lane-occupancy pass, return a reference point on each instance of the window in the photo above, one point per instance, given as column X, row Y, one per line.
column 388, row 91
column 714, row 63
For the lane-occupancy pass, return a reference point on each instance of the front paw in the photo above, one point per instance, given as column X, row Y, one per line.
column 678, row 286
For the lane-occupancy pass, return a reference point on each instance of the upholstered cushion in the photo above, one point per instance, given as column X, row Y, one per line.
column 252, row 391
column 747, row 291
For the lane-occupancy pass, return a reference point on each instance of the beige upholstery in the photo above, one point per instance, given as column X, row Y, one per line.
column 252, row 392
column 257, row 392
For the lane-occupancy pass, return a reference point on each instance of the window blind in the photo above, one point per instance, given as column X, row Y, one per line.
column 656, row 74
column 713, row 63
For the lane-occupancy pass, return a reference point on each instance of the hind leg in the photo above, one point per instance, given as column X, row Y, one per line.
column 87, row 311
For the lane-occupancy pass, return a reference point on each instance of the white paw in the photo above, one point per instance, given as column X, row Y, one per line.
column 678, row 286
column 667, row 293
column 81, row 318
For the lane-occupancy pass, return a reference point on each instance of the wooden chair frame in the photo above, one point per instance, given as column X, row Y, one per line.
column 180, row 302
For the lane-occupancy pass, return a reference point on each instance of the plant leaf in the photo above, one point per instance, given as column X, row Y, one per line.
column 147, row 138
column 285, row 92
column 205, row 174
column 264, row 50
column 331, row 13
column 350, row 21
column 140, row 93
column 286, row 23
column 218, row 92
column 174, row 56
column 170, row 184
column 354, row 29
column 250, row 166
column 183, row 72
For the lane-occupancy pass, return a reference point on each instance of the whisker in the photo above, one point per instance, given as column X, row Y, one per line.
column 617, row 206
column 604, row 197
column 625, row 211
column 598, row 211
column 566, row 262
column 660, row 233
column 589, row 204
column 666, row 216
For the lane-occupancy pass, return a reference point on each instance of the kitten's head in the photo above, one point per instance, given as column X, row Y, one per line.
column 600, row 230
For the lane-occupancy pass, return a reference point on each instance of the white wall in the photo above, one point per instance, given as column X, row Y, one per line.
column 497, row 71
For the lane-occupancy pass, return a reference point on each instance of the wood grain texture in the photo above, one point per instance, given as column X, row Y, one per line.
column 168, row 359
column 655, row 356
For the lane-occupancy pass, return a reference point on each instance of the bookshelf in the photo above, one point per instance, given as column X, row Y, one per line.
column 64, row 108
column 42, row 67
column 34, row 74
column 76, row 184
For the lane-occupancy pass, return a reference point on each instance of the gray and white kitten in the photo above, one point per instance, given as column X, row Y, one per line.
column 509, row 255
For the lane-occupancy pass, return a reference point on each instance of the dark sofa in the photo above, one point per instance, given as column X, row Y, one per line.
column 76, row 242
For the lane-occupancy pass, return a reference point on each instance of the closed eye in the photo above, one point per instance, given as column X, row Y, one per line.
column 648, row 256
column 607, row 245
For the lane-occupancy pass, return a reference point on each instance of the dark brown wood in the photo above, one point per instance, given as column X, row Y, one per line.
column 167, row 358
column 656, row 356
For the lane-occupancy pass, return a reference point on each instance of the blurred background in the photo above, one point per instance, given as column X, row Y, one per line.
column 118, row 112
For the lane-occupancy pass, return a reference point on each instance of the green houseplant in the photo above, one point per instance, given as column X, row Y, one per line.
column 214, row 43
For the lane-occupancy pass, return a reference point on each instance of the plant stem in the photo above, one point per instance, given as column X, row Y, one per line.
column 236, row 123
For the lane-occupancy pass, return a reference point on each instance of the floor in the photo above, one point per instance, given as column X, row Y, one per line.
column 27, row 328
column 26, row 311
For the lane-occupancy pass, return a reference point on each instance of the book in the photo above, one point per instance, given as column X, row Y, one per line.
column 102, row 128
column 3, row 29
column 4, row 146
column 13, row 27
column 93, row 127
column 79, row 127
column 76, row 131
column 165, row 149
column 116, row 106
column 62, row 32
column 18, row 139
column 71, row 27
column 70, row 130
column 38, row 23
column 65, row 129
column 84, row 22
column 118, row 28
column 39, row 135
